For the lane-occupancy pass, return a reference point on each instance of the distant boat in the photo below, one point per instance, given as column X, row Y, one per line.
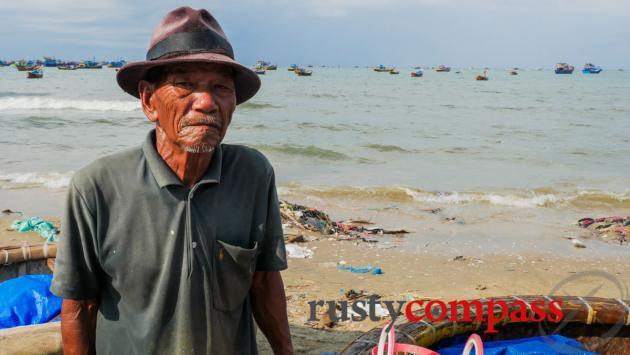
column 67, row 67
column 293, row 67
column 50, row 62
column 513, row 72
column 564, row 68
column 37, row 73
column 303, row 72
column 382, row 69
column 394, row 71
column 261, row 64
column 589, row 68
column 443, row 69
column 260, row 71
column 417, row 74
column 25, row 66
column 483, row 77
column 90, row 64
column 116, row 64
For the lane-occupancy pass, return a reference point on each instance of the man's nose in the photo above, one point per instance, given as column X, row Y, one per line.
column 204, row 101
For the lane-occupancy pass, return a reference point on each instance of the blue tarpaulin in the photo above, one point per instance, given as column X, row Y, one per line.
column 542, row 345
column 27, row 300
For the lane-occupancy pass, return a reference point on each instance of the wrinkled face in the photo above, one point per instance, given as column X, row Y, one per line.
column 192, row 105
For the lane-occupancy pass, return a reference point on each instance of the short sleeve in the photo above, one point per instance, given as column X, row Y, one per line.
column 77, row 267
column 272, row 253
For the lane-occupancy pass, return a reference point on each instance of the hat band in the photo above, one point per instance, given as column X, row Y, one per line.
column 189, row 43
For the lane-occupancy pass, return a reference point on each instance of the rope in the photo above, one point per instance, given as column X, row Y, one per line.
column 6, row 256
column 591, row 313
column 26, row 251
column 627, row 309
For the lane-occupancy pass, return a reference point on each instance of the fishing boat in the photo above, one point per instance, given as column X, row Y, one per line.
column 293, row 67
column 417, row 74
column 50, row 62
column 513, row 72
column 261, row 64
column 67, row 67
column 36, row 73
column 564, row 68
column 590, row 68
column 23, row 65
column 259, row 71
column 303, row 72
column 394, row 71
column 116, row 64
column 382, row 69
column 601, row 325
column 271, row 67
column 90, row 64
column 482, row 77
column 443, row 69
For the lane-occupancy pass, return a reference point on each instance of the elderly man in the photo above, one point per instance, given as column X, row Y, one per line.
column 171, row 247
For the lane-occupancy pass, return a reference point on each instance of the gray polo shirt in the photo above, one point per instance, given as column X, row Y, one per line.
column 171, row 266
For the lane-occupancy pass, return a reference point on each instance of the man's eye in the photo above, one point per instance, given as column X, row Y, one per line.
column 224, row 88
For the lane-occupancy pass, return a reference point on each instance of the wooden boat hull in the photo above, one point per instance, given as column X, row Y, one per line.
column 601, row 324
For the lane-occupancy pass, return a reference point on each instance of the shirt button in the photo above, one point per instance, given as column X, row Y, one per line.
column 172, row 232
column 194, row 244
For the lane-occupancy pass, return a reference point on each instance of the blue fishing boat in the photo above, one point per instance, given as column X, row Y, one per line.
column 564, row 68
column 116, row 64
column 36, row 73
column 50, row 62
column 589, row 68
column 90, row 64
column 293, row 67
column 417, row 74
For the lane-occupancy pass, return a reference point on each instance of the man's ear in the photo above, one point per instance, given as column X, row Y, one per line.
column 146, row 91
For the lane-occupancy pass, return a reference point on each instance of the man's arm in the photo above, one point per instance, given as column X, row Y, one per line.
column 269, row 306
column 78, row 326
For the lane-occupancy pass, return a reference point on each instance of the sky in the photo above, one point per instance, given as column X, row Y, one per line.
column 403, row 33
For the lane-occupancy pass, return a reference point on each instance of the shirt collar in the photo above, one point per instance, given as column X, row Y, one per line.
column 163, row 173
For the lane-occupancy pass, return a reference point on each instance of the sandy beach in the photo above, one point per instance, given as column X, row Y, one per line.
column 444, row 257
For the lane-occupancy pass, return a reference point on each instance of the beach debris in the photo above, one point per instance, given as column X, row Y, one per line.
column 298, row 252
column 578, row 243
column 8, row 211
column 311, row 219
column 481, row 287
column 616, row 228
column 459, row 258
column 374, row 270
column 295, row 238
column 37, row 224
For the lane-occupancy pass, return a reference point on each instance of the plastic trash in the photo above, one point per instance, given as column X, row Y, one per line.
column 541, row 345
column 27, row 300
column 362, row 270
column 43, row 227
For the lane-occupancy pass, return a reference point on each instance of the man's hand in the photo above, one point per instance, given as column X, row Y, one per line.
column 269, row 306
column 78, row 326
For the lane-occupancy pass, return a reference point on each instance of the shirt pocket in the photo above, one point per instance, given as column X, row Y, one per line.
column 233, row 273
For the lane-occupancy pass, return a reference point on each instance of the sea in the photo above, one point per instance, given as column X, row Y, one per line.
column 524, row 148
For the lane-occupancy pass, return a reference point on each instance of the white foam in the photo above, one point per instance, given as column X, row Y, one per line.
column 30, row 179
column 491, row 198
column 47, row 103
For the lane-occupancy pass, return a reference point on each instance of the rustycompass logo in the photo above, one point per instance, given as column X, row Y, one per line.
column 491, row 312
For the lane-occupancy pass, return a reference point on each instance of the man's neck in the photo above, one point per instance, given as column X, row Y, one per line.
column 189, row 167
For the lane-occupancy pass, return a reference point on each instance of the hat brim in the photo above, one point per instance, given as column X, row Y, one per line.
column 246, row 81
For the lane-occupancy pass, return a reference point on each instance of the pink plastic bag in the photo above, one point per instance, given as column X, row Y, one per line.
column 387, row 343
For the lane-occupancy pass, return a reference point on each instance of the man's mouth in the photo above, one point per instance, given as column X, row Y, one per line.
column 203, row 122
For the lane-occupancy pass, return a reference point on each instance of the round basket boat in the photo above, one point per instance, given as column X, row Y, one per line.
column 601, row 324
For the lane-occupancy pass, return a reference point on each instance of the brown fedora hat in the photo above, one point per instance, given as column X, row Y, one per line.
column 186, row 35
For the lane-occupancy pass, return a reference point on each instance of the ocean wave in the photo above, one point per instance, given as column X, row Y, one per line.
column 256, row 105
column 39, row 103
column 31, row 179
column 387, row 148
column 537, row 198
column 310, row 151
column 26, row 94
